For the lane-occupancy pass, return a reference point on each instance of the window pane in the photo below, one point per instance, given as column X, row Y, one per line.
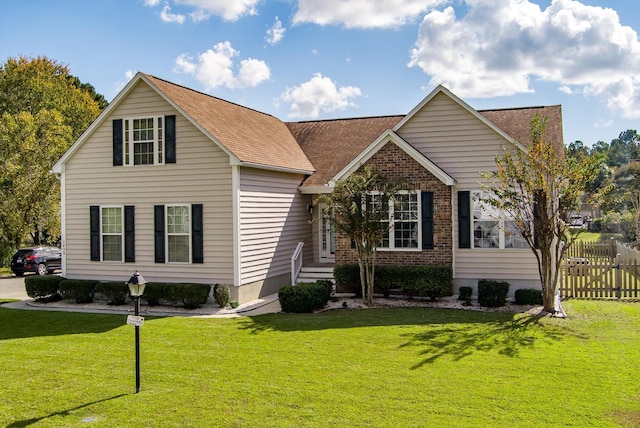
column 179, row 248
column 405, row 217
column 178, row 219
column 486, row 234
column 143, row 153
column 112, row 220
column 112, row 248
column 512, row 236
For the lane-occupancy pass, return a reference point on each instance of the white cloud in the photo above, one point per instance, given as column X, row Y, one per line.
column 362, row 13
column 215, row 68
column 199, row 16
column 167, row 16
column 319, row 93
column 604, row 123
column 128, row 75
column 229, row 10
column 275, row 33
column 566, row 89
column 151, row 3
column 500, row 46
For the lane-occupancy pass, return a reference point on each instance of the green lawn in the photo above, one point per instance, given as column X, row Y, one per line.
column 395, row 367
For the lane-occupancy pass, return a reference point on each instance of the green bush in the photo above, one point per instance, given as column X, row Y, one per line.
column 114, row 292
column 348, row 279
column 153, row 292
column 192, row 296
column 465, row 293
column 43, row 288
column 78, row 290
column 221, row 295
column 492, row 294
column 429, row 281
column 305, row 297
column 528, row 296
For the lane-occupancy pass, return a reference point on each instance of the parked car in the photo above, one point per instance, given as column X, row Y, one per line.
column 40, row 260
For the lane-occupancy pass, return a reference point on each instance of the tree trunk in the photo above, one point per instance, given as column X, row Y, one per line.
column 550, row 270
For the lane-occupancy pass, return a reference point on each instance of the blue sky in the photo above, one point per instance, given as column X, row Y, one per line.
column 318, row 59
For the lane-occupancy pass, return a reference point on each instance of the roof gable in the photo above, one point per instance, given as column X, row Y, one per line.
column 249, row 137
column 442, row 90
column 391, row 137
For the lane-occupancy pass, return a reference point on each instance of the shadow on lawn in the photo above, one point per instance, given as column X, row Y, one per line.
column 20, row 324
column 458, row 341
column 66, row 412
column 436, row 333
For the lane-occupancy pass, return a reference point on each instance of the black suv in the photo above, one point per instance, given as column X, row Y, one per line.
column 41, row 260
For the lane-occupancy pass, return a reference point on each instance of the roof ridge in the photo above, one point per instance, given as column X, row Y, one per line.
column 519, row 108
column 349, row 118
column 209, row 95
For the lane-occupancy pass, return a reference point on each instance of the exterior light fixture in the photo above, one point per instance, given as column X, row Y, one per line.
column 136, row 288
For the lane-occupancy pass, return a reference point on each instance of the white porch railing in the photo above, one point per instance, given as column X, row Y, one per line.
column 296, row 263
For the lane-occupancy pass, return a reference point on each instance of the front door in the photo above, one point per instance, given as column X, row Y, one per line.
column 327, row 236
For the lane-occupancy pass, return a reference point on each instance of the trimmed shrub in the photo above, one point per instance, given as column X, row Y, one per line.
column 114, row 292
column 492, row 294
column 465, row 293
column 430, row 281
column 305, row 297
column 348, row 279
column 153, row 292
column 433, row 282
column 192, row 296
column 78, row 290
column 43, row 288
column 221, row 295
column 528, row 296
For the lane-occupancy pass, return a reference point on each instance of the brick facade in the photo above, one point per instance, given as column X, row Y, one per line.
column 394, row 163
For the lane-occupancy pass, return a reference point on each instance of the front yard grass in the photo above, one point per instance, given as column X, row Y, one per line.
column 409, row 367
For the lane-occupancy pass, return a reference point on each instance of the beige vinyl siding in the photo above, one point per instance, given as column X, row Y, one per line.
column 202, row 175
column 463, row 146
column 273, row 219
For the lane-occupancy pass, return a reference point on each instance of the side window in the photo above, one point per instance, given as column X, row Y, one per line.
column 178, row 233
column 112, row 233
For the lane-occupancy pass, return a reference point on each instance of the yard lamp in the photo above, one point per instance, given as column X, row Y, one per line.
column 136, row 287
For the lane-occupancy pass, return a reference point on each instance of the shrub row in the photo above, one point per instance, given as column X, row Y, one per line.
column 190, row 295
column 305, row 297
column 51, row 288
column 428, row 281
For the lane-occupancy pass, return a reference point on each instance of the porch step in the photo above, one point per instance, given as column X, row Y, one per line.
column 314, row 273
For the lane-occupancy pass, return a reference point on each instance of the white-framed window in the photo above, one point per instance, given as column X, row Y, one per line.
column 178, row 227
column 492, row 228
column 112, row 233
column 401, row 227
column 143, row 141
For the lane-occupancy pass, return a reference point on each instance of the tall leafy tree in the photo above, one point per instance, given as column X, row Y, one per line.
column 358, row 205
column 538, row 188
column 43, row 110
column 625, row 190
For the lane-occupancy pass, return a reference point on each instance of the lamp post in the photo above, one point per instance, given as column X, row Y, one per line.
column 136, row 288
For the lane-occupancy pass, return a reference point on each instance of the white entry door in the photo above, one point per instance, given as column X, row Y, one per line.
column 327, row 236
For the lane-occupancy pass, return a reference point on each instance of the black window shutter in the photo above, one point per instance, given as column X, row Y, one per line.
column 94, row 227
column 464, row 219
column 170, row 139
column 117, row 142
column 197, row 255
column 158, row 221
column 129, row 234
column 427, row 220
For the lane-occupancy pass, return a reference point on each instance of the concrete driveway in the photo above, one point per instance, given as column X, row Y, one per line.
column 13, row 288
